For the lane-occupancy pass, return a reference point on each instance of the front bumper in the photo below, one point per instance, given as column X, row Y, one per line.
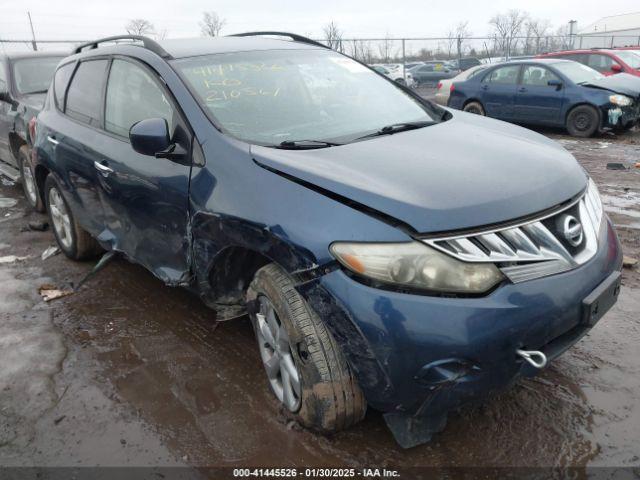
column 417, row 354
column 614, row 116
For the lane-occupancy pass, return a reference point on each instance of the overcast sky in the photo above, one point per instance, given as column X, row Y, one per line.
column 85, row 19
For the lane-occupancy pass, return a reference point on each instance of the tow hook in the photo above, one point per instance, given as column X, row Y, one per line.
column 534, row 357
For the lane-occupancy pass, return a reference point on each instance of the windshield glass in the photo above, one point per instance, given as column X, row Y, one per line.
column 630, row 58
column 270, row 97
column 578, row 73
column 33, row 75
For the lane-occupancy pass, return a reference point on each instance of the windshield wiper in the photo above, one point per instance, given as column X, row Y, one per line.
column 395, row 128
column 305, row 144
column 35, row 92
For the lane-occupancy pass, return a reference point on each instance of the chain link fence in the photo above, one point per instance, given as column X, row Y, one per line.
column 407, row 50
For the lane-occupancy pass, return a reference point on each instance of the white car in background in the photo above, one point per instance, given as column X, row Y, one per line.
column 395, row 73
column 443, row 89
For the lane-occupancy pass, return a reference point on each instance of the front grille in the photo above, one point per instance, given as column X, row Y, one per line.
column 537, row 248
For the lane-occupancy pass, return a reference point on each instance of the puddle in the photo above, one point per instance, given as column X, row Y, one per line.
column 8, row 202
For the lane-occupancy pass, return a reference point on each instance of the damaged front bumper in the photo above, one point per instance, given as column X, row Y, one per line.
column 417, row 357
column 615, row 116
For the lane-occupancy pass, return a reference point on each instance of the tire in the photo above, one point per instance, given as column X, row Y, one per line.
column 583, row 121
column 73, row 240
column 329, row 397
column 28, row 180
column 401, row 81
column 474, row 107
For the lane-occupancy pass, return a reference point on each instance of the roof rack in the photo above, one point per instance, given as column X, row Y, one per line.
column 147, row 43
column 293, row 36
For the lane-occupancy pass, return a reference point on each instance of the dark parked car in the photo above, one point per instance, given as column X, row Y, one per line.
column 430, row 73
column 286, row 181
column 551, row 92
column 24, row 81
column 465, row 63
column 607, row 62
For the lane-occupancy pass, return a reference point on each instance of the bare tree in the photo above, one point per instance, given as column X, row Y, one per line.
column 386, row 50
column 211, row 24
column 361, row 50
column 462, row 34
column 506, row 26
column 535, row 29
column 162, row 34
column 139, row 26
column 333, row 36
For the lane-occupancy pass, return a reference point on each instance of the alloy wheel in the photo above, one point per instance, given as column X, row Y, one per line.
column 60, row 218
column 275, row 351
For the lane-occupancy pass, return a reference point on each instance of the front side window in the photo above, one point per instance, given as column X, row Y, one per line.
column 60, row 82
column 269, row 97
column 133, row 95
column 537, row 76
column 504, row 75
column 33, row 75
column 84, row 96
column 601, row 63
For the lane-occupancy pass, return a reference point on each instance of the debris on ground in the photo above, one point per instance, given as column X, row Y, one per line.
column 38, row 225
column 8, row 202
column 7, row 182
column 50, row 252
column 629, row 262
column 51, row 292
column 59, row 419
column 12, row 259
column 616, row 166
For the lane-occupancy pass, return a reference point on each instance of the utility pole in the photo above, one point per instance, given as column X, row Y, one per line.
column 33, row 34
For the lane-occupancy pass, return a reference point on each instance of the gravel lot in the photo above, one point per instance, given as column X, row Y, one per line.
column 128, row 371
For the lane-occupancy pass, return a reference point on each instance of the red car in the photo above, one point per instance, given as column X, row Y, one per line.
column 607, row 62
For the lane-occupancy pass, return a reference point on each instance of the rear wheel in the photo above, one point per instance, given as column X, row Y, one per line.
column 29, row 184
column 73, row 240
column 583, row 121
column 474, row 107
column 305, row 367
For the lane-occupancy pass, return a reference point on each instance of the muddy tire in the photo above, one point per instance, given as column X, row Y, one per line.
column 474, row 107
column 583, row 121
column 328, row 398
column 73, row 240
column 28, row 180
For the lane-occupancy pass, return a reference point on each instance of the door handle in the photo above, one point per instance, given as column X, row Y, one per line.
column 52, row 140
column 103, row 169
column 485, row 87
column 522, row 89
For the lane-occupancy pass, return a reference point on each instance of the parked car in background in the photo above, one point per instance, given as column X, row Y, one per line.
column 373, row 272
column 607, row 62
column 396, row 75
column 552, row 92
column 464, row 63
column 24, row 81
column 410, row 65
column 446, row 86
column 430, row 73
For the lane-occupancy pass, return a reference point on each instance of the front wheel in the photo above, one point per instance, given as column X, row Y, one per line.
column 73, row 240
column 474, row 107
column 29, row 184
column 583, row 121
column 305, row 367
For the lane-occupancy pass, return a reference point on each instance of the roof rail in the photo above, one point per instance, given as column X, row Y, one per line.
column 293, row 36
column 147, row 43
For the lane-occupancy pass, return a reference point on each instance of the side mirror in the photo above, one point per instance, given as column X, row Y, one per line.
column 555, row 83
column 615, row 68
column 150, row 136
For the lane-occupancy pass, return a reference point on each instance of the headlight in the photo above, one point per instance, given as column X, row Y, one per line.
column 594, row 202
column 620, row 100
column 417, row 266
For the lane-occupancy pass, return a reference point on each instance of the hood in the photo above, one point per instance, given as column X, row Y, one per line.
column 466, row 172
column 619, row 83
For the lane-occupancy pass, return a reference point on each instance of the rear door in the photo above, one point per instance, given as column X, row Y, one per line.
column 498, row 92
column 75, row 137
column 145, row 199
column 537, row 101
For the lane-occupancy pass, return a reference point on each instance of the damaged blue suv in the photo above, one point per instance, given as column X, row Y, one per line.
column 389, row 252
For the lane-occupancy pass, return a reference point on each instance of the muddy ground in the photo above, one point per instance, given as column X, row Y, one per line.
column 129, row 372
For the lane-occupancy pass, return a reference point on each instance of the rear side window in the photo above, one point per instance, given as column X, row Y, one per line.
column 503, row 75
column 133, row 95
column 60, row 81
column 84, row 96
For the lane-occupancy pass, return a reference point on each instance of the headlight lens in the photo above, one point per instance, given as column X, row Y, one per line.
column 620, row 100
column 595, row 202
column 417, row 266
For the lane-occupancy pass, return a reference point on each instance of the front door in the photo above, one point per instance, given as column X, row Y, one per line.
column 537, row 101
column 498, row 92
column 145, row 199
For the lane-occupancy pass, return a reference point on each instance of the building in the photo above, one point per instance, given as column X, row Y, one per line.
column 613, row 31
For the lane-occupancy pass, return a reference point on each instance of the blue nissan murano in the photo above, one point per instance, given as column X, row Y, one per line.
column 389, row 252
